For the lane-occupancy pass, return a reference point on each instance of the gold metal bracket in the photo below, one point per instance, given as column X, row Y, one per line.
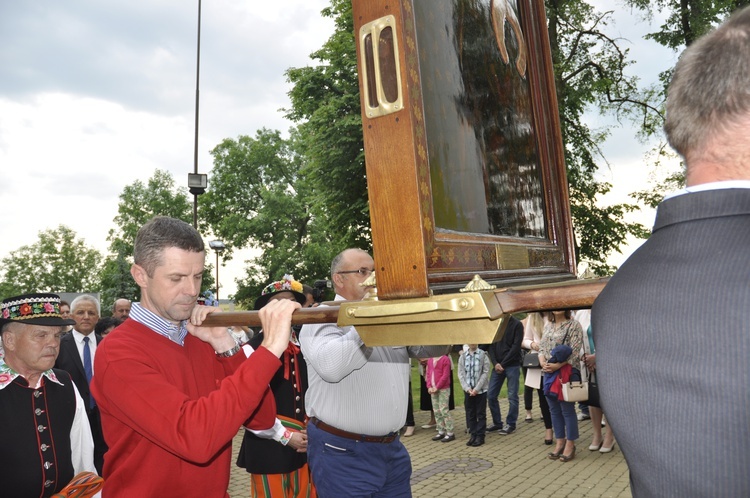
column 467, row 318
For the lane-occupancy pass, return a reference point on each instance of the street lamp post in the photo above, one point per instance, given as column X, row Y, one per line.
column 218, row 247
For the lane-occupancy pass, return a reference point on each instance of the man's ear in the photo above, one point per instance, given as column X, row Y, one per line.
column 139, row 275
column 336, row 279
column 9, row 340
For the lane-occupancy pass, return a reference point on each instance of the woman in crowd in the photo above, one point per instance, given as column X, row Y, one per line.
column 561, row 330
column 533, row 328
column 276, row 458
column 602, row 443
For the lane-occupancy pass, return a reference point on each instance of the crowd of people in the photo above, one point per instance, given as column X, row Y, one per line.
column 151, row 399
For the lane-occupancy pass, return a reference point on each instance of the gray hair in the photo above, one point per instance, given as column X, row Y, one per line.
column 160, row 233
column 338, row 260
column 85, row 298
column 709, row 92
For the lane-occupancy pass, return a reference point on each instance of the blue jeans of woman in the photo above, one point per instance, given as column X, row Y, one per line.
column 564, row 418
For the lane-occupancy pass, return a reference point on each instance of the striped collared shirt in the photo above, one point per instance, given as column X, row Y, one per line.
column 175, row 333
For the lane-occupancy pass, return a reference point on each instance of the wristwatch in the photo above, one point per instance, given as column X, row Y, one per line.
column 228, row 354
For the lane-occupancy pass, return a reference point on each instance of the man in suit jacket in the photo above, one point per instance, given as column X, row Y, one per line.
column 671, row 329
column 72, row 358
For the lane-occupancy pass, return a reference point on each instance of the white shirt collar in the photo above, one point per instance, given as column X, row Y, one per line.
column 710, row 186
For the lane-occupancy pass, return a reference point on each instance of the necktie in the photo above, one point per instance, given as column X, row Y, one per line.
column 87, row 367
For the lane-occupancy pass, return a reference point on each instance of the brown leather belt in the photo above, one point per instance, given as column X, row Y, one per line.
column 351, row 435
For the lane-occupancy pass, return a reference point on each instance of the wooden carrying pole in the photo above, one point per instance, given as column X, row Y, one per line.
column 574, row 294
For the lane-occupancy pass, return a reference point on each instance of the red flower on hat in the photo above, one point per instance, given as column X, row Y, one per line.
column 48, row 308
column 25, row 309
column 6, row 313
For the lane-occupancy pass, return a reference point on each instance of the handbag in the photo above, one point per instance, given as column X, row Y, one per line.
column 531, row 360
column 575, row 390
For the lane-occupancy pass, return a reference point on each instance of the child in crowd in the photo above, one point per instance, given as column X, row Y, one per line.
column 474, row 374
column 438, row 379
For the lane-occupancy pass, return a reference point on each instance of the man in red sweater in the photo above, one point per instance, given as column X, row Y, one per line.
column 173, row 394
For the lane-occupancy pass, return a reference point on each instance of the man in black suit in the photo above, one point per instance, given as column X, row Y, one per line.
column 77, row 352
column 671, row 329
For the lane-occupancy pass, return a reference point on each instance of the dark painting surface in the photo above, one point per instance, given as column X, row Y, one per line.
column 484, row 168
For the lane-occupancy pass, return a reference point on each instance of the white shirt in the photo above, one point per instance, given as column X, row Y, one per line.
column 710, row 186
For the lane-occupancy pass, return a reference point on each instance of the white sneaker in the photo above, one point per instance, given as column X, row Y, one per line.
column 583, row 416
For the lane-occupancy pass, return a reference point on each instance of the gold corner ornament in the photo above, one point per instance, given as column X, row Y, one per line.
column 477, row 284
column 371, row 282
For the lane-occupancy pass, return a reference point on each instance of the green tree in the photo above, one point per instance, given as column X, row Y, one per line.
column 258, row 198
column 139, row 202
column 57, row 262
column 590, row 74
column 325, row 104
column 116, row 281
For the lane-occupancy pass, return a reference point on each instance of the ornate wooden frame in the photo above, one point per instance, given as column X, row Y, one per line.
column 412, row 256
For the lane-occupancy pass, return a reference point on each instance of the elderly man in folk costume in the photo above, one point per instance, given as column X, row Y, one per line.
column 42, row 415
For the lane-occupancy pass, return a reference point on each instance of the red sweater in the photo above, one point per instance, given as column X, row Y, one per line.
column 438, row 369
column 169, row 412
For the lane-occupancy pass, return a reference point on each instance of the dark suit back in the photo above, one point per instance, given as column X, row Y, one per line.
column 672, row 341
column 70, row 360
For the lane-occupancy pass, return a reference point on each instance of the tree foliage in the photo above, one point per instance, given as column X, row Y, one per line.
column 57, row 262
column 139, row 202
column 325, row 103
column 590, row 73
column 258, row 198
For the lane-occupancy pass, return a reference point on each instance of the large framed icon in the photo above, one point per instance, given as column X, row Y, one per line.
column 464, row 156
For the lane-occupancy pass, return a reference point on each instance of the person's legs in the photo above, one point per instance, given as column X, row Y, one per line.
column 513, row 375
column 439, row 413
column 584, row 415
column 558, row 424
column 471, row 417
column 481, row 408
column 596, row 428
column 410, row 410
column 571, row 420
column 544, row 407
column 496, row 384
column 443, row 395
column 528, row 397
column 398, row 465
column 344, row 467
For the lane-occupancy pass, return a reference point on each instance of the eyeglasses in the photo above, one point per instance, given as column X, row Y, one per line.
column 362, row 271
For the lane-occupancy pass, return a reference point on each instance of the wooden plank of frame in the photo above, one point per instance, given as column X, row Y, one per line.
column 463, row 149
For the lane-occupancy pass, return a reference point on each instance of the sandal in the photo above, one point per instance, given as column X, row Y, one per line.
column 555, row 456
column 567, row 458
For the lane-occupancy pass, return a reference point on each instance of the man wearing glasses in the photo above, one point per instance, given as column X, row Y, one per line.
column 356, row 399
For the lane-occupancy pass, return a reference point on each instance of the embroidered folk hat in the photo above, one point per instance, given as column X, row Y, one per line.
column 287, row 284
column 33, row 309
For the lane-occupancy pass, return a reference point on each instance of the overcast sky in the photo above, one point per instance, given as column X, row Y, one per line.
column 95, row 95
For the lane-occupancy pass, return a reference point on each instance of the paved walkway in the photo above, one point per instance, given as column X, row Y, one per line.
column 514, row 465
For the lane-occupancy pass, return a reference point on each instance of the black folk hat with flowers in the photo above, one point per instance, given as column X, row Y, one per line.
column 286, row 284
column 33, row 309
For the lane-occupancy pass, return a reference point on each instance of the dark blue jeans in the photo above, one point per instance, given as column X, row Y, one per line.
column 564, row 418
column 496, row 384
column 344, row 467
